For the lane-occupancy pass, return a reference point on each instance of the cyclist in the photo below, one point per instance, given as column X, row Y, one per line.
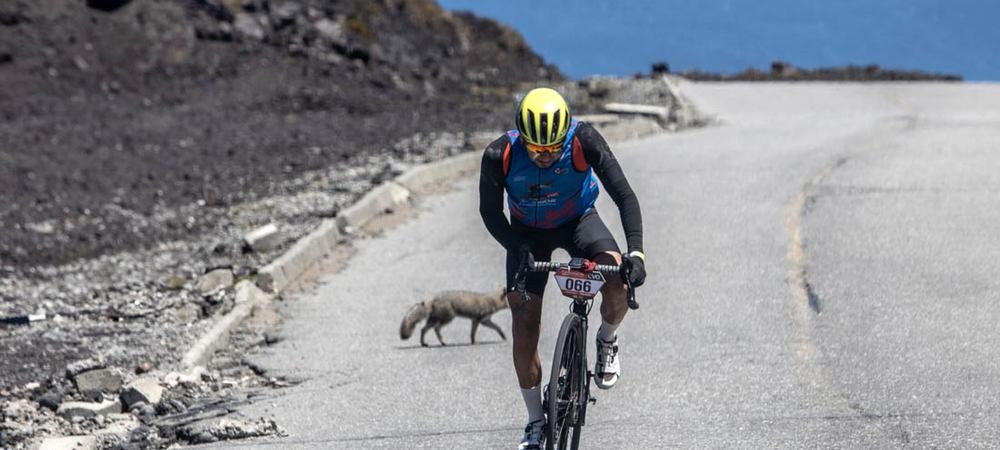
column 549, row 167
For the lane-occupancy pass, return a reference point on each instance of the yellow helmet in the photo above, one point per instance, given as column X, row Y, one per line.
column 542, row 117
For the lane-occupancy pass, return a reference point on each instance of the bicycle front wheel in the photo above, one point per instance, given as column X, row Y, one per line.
column 567, row 390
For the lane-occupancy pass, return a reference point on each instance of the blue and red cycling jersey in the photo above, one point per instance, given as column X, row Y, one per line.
column 549, row 197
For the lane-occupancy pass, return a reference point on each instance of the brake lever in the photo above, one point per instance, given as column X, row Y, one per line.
column 632, row 304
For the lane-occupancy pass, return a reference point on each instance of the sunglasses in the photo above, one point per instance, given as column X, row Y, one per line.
column 556, row 148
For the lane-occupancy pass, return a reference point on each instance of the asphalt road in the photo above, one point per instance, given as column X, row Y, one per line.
column 822, row 275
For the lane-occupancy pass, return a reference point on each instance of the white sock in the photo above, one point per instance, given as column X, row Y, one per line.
column 533, row 400
column 607, row 331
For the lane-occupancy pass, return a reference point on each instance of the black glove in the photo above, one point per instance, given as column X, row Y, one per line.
column 635, row 267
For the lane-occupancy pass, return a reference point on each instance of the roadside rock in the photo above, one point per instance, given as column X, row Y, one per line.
column 226, row 429
column 248, row 25
column 187, row 313
column 69, row 443
column 146, row 390
column 331, row 31
column 173, row 379
column 84, row 365
column 265, row 238
column 144, row 367
column 216, row 279
column 118, row 427
column 18, row 409
column 50, row 400
column 69, row 410
column 93, row 383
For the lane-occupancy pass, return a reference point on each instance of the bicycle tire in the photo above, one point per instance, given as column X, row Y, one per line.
column 567, row 393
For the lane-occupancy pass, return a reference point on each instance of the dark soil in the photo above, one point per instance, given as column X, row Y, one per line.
column 128, row 106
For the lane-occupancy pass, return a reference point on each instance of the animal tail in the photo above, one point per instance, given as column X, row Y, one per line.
column 413, row 316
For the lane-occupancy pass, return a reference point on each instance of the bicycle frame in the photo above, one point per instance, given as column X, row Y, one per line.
column 568, row 391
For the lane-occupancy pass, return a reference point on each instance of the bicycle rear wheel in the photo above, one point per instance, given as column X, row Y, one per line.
column 567, row 390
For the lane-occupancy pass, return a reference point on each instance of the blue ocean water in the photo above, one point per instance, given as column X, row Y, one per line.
column 622, row 37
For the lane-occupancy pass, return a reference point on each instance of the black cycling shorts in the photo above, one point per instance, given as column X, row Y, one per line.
column 584, row 237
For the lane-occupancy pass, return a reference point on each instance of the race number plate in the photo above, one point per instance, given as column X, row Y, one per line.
column 579, row 285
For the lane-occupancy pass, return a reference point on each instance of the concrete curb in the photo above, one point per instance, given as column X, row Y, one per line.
column 293, row 263
column 630, row 128
column 424, row 176
column 388, row 195
column 248, row 296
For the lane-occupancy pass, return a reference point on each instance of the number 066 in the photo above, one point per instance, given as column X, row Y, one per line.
column 577, row 285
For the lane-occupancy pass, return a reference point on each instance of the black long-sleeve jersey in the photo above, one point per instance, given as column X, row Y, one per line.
column 598, row 155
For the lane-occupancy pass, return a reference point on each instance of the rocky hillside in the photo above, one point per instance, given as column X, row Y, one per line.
column 113, row 108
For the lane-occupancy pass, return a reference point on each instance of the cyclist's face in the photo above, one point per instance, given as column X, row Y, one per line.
column 544, row 156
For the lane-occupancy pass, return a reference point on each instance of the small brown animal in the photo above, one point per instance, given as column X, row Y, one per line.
column 445, row 306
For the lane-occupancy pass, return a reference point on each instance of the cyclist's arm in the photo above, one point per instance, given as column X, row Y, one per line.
column 491, row 188
column 598, row 154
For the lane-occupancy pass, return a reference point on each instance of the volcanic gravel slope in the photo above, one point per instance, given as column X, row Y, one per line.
column 112, row 109
column 139, row 139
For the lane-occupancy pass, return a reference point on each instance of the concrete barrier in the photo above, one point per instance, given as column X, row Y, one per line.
column 630, row 128
column 420, row 178
column 598, row 119
column 661, row 112
column 386, row 196
column 248, row 296
column 293, row 263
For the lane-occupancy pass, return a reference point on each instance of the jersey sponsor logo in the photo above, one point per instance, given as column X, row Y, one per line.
column 561, row 170
column 536, row 189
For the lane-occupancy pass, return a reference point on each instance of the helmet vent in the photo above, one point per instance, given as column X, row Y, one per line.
column 556, row 126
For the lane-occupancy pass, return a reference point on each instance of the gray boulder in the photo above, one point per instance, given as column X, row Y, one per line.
column 216, row 279
column 145, row 390
column 93, row 383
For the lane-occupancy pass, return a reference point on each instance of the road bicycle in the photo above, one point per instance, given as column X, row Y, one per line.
column 568, row 391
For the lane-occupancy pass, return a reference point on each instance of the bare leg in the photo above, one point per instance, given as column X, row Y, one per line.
column 526, row 321
column 614, row 303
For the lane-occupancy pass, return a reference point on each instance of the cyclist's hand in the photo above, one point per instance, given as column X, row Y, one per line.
column 635, row 268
